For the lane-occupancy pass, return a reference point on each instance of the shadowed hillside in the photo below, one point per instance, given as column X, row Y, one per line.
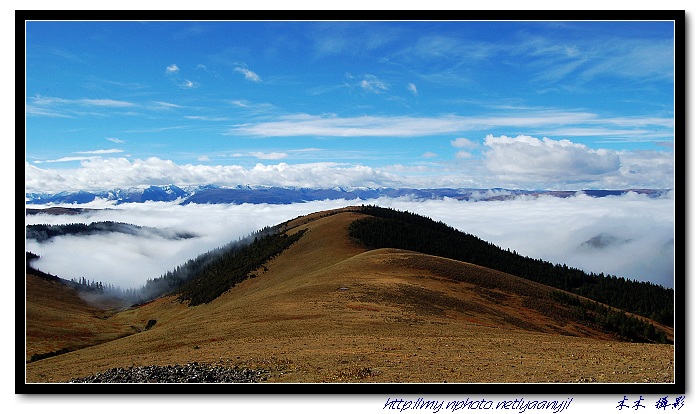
column 390, row 228
column 405, row 230
column 330, row 309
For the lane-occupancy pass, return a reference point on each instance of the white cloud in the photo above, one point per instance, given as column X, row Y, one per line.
column 71, row 108
column 429, row 155
column 650, row 169
column 45, row 101
column 326, row 45
column 307, row 150
column 71, row 159
column 206, row 118
column 166, row 105
column 115, row 140
column 104, row 102
column 464, row 143
column 269, row 155
column 96, row 173
column 550, row 228
column 654, row 169
column 173, row 73
column 634, row 59
column 639, row 59
column 114, row 258
column 547, row 159
column 248, row 74
column 188, row 84
column 154, row 130
column 303, row 125
column 412, row 88
column 556, row 230
column 407, row 126
column 107, row 151
column 373, row 84
column 261, row 155
column 252, row 107
column 37, row 110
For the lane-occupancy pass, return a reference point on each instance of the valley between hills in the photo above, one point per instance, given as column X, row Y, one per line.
column 331, row 309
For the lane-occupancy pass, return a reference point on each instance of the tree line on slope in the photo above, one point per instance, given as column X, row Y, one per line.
column 204, row 278
column 410, row 231
column 609, row 319
column 44, row 232
column 227, row 270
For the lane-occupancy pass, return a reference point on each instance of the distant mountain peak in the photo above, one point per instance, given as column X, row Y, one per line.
column 258, row 194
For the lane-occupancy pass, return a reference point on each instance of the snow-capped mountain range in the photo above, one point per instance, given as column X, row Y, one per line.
column 212, row 194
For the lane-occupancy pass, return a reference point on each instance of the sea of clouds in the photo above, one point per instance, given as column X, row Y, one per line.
column 630, row 235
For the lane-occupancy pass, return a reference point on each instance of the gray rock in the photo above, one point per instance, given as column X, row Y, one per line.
column 192, row 373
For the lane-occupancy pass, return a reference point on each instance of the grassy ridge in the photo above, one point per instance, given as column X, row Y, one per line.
column 410, row 231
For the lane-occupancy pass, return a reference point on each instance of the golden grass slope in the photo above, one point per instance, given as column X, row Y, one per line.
column 58, row 317
column 329, row 310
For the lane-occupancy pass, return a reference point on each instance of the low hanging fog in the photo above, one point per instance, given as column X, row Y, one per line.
column 630, row 235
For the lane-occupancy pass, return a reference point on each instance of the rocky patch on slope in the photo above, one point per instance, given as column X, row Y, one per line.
column 189, row 373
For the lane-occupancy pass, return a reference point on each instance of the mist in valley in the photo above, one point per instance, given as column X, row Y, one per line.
column 630, row 235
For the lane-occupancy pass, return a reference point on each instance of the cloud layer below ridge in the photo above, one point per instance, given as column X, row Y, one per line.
column 630, row 235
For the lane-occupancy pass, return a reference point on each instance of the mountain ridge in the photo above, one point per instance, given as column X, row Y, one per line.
column 214, row 194
column 328, row 309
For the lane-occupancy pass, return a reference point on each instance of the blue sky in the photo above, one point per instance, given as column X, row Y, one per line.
column 537, row 105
